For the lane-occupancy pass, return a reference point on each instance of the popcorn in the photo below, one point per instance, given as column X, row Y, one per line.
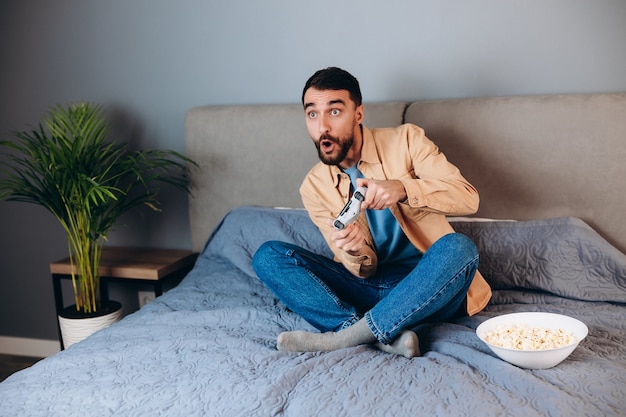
column 529, row 338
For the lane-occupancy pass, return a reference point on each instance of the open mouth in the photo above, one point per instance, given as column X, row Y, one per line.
column 327, row 144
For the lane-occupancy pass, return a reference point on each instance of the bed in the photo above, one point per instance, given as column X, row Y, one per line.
column 207, row 347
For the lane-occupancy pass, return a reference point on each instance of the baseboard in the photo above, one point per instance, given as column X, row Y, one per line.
column 21, row 346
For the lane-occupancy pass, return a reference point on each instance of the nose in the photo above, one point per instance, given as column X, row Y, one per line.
column 323, row 124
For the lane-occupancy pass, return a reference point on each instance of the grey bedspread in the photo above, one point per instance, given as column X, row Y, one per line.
column 207, row 347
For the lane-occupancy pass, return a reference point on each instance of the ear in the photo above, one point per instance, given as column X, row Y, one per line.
column 359, row 114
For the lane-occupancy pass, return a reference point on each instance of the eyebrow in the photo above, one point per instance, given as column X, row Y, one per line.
column 330, row 103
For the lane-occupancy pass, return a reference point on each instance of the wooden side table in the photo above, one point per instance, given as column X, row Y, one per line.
column 132, row 265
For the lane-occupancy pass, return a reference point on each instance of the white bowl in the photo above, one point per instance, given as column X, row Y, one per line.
column 534, row 359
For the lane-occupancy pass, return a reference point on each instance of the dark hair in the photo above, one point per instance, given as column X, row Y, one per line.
column 333, row 78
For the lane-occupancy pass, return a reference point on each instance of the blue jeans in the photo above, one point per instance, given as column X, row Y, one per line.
column 330, row 298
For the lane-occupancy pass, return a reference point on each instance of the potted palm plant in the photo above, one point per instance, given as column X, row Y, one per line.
column 67, row 166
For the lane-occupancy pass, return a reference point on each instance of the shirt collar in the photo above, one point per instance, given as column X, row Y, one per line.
column 368, row 151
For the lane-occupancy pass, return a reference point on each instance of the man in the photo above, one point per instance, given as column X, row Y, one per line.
column 400, row 264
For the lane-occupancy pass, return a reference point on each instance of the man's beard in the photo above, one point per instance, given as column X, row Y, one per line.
column 344, row 148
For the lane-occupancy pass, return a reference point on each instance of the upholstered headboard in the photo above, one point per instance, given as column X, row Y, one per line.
column 253, row 155
column 530, row 157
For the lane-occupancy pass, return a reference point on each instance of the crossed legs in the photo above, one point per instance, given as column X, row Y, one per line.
column 325, row 294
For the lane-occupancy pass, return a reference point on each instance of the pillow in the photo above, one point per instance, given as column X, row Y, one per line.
column 245, row 228
column 564, row 256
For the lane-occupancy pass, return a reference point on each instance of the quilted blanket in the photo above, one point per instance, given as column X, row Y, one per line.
column 207, row 347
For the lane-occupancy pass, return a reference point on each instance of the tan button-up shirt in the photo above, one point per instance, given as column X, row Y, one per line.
column 435, row 189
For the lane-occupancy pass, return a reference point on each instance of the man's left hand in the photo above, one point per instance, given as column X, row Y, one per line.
column 381, row 194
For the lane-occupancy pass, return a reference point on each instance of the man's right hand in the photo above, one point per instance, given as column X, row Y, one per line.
column 350, row 239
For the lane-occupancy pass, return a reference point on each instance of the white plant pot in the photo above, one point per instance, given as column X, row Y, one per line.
column 74, row 329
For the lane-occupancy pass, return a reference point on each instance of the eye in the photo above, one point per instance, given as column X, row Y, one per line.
column 312, row 115
column 335, row 112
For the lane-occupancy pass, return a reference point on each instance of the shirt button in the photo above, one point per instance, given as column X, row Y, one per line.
column 415, row 201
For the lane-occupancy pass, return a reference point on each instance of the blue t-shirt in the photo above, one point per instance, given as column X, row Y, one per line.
column 392, row 245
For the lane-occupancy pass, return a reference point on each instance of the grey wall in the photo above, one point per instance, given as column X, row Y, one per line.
column 151, row 60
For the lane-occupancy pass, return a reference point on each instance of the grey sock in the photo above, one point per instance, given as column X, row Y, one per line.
column 407, row 345
column 301, row 341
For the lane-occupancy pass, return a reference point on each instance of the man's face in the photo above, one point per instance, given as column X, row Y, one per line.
column 333, row 120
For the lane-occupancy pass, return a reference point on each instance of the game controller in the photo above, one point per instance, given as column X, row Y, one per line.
column 351, row 210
